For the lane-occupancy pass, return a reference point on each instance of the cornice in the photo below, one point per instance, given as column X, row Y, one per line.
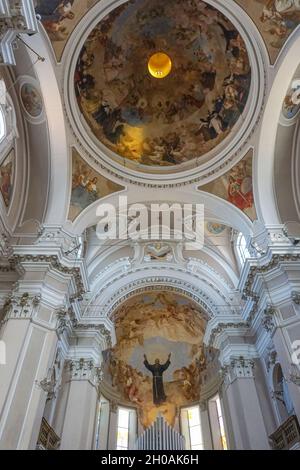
column 16, row 17
column 53, row 262
column 254, row 271
column 154, row 283
column 226, row 328
column 67, row 321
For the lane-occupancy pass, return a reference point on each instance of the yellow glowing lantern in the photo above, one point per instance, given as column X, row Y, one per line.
column 160, row 65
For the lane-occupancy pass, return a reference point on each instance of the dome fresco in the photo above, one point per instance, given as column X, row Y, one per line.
column 175, row 119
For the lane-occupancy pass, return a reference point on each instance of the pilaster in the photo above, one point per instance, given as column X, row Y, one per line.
column 80, row 426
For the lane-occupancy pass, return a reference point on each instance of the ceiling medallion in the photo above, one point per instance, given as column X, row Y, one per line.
column 159, row 65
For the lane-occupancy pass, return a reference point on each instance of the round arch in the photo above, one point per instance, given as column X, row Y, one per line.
column 265, row 150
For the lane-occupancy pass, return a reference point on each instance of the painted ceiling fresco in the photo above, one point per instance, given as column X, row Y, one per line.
column 275, row 19
column 7, row 177
column 157, row 325
column 291, row 104
column 173, row 120
column 236, row 186
column 87, row 186
column 60, row 17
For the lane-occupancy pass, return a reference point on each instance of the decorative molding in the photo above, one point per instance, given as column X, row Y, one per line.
column 223, row 327
column 50, row 236
column 295, row 375
column 152, row 283
column 16, row 17
column 20, row 307
column 54, row 263
column 5, row 247
column 49, row 386
column 85, row 369
column 81, row 369
column 239, row 368
column 296, row 297
column 95, row 327
column 268, row 321
column 255, row 270
column 254, row 308
column 271, row 358
column 63, row 321
column 113, row 405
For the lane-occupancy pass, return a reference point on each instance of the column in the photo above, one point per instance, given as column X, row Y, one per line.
column 29, row 334
column 244, row 406
column 113, row 426
column 80, row 418
column 205, row 426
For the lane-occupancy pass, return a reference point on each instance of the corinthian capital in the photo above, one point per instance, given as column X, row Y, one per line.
column 83, row 369
column 238, row 368
column 21, row 306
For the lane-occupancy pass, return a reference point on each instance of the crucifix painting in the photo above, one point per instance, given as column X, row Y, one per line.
column 157, row 369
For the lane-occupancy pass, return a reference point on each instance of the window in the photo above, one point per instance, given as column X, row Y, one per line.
column 123, row 429
column 195, row 432
column 221, row 424
column 217, row 424
column 242, row 250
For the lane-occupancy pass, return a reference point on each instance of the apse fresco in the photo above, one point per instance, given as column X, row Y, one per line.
column 60, row 17
column 87, row 186
column 157, row 326
column 173, row 120
column 275, row 19
column 236, row 186
column 7, row 169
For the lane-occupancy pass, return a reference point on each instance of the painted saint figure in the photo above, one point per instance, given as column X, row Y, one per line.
column 157, row 370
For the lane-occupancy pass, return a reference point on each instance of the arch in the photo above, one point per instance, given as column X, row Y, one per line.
column 58, row 199
column 215, row 208
column 265, row 154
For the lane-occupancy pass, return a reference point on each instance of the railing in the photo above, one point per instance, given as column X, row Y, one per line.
column 48, row 439
column 287, row 435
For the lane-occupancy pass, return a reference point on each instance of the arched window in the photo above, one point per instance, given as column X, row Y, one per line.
column 241, row 248
column 191, row 428
column 126, row 428
column 123, row 429
column 217, row 424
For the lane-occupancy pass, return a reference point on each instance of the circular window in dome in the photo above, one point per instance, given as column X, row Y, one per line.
column 204, row 81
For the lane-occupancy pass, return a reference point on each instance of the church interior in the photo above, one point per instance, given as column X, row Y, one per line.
column 114, row 336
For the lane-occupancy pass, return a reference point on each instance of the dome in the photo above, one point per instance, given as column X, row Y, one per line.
column 188, row 112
